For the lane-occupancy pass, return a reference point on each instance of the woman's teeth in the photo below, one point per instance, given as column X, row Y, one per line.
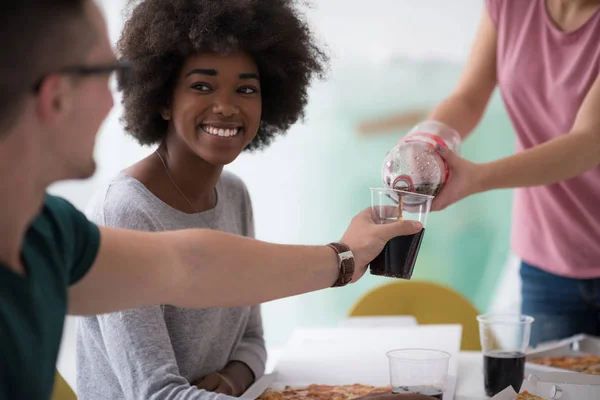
column 220, row 131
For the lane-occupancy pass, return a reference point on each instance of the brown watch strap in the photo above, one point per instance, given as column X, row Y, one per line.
column 346, row 263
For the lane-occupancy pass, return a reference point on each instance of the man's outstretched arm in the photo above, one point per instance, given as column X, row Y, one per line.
column 205, row 268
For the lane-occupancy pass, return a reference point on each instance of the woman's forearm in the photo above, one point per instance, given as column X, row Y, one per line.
column 556, row 160
column 459, row 113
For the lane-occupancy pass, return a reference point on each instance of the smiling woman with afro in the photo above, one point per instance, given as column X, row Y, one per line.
column 209, row 79
column 162, row 34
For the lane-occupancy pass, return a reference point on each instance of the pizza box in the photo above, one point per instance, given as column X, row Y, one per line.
column 258, row 387
column 270, row 381
column 378, row 321
column 510, row 394
column 349, row 355
column 573, row 346
column 557, row 385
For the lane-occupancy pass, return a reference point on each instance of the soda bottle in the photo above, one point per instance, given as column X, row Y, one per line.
column 413, row 165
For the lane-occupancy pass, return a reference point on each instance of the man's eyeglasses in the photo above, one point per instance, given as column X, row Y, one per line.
column 120, row 68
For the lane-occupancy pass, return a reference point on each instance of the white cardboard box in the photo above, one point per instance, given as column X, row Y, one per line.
column 354, row 355
column 378, row 321
column 557, row 385
column 572, row 346
column 510, row 394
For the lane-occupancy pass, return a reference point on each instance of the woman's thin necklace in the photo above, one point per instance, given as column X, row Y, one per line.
column 173, row 182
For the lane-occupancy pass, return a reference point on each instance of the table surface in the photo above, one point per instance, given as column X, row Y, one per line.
column 470, row 377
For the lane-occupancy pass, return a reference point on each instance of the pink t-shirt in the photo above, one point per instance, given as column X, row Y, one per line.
column 544, row 75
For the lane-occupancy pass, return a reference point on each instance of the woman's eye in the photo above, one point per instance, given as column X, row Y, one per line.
column 203, row 87
column 248, row 90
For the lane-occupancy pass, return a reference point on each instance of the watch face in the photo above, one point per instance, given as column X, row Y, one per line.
column 346, row 255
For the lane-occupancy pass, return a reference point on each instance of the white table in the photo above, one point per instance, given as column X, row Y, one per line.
column 470, row 376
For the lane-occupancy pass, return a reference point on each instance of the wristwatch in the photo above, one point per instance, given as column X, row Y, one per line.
column 346, row 266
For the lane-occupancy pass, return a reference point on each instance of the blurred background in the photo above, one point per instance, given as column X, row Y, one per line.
column 388, row 56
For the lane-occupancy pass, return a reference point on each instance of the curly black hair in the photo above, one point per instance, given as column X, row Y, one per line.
column 161, row 34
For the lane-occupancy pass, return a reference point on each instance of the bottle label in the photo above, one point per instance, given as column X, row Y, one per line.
column 431, row 141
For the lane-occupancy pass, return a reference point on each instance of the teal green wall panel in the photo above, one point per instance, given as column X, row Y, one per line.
column 465, row 246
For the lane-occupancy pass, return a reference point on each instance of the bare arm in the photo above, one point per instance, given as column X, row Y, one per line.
column 558, row 159
column 463, row 109
column 204, row 268
column 555, row 160
column 196, row 268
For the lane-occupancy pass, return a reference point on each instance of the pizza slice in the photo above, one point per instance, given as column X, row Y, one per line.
column 528, row 396
column 592, row 370
column 588, row 363
column 323, row 392
column 270, row 394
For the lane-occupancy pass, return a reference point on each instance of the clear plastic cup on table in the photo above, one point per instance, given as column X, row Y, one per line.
column 504, row 339
column 419, row 371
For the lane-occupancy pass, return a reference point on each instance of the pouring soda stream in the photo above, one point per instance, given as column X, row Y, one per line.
column 412, row 173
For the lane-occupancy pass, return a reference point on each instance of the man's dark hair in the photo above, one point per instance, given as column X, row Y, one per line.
column 161, row 34
column 38, row 37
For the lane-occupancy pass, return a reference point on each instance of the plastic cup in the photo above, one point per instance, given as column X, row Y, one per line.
column 504, row 339
column 398, row 257
column 419, row 371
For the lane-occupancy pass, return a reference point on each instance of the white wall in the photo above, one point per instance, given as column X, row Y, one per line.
column 385, row 31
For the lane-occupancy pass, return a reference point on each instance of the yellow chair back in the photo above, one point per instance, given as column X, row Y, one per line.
column 62, row 390
column 429, row 303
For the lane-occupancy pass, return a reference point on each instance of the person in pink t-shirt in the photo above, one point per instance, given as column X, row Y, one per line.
column 544, row 55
